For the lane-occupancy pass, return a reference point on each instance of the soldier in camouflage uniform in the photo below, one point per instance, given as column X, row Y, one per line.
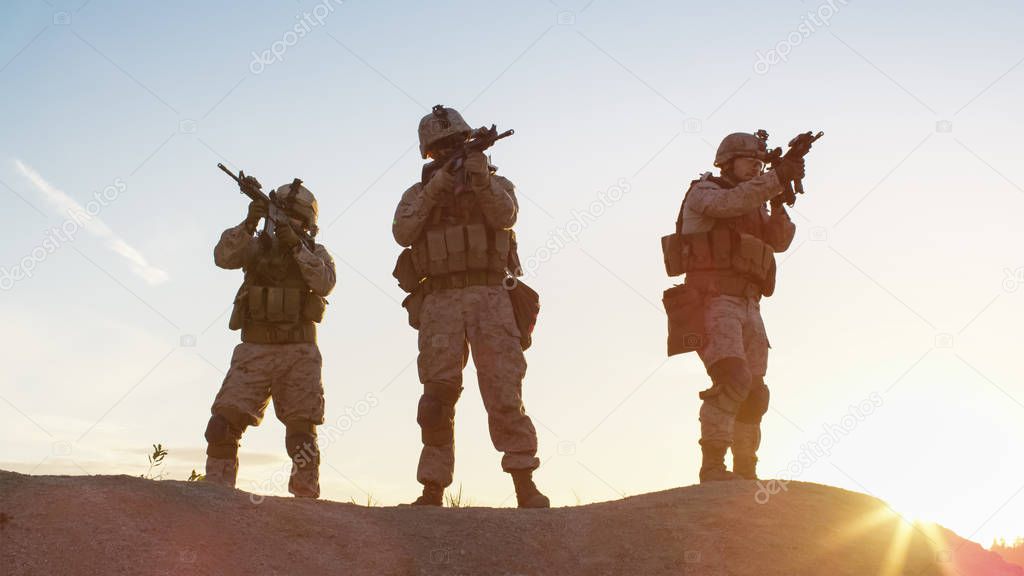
column 729, row 239
column 287, row 276
column 457, row 226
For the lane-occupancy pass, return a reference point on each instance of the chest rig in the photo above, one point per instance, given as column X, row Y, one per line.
column 274, row 305
column 457, row 247
column 732, row 258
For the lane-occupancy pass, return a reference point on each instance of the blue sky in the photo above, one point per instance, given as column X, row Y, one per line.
column 902, row 282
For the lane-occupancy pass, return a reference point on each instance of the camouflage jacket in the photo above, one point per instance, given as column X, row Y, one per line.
column 707, row 201
column 237, row 248
column 497, row 202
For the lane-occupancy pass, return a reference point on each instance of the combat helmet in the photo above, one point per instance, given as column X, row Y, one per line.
column 439, row 124
column 298, row 199
column 739, row 145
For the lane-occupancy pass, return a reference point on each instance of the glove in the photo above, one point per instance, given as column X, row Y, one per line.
column 257, row 210
column 789, row 169
column 287, row 236
column 478, row 171
column 440, row 183
column 476, row 164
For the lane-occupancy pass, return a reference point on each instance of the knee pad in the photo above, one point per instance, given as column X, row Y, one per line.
column 730, row 383
column 446, row 393
column 756, row 405
column 436, row 418
column 222, row 437
column 300, row 443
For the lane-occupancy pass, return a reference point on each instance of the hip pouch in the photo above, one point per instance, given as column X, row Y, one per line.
column 685, row 308
column 238, row 308
column 413, row 304
column 525, row 308
column 406, row 271
column 313, row 307
column 672, row 249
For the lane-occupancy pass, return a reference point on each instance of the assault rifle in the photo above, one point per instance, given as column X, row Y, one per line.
column 481, row 139
column 798, row 148
column 276, row 212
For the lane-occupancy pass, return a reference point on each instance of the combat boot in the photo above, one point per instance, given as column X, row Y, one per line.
column 305, row 482
column 527, row 493
column 712, row 469
column 221, row 471
column 300, row 442
column 745, row 466
column 746, row 441
column 432, row 496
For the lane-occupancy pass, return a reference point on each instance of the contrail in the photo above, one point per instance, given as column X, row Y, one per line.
column 67, row 206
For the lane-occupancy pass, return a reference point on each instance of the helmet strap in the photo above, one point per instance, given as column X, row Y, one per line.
column 727, row 171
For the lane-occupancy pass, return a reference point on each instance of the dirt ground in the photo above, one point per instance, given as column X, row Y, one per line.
column 122, row 525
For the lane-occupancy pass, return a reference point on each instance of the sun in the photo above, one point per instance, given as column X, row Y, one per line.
column 905, row 530
column 913, row 508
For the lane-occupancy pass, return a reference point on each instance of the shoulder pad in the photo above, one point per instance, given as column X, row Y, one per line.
column 703, row 178
column 503, row 182
column 716, row 180
column 720, row 181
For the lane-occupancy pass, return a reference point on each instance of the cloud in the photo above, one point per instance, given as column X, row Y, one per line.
column 88, row 219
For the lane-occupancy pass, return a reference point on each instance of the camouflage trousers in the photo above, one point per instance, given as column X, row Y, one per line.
column 734, row 329
column 288, row 373
column 291, row 375
column 478, row 319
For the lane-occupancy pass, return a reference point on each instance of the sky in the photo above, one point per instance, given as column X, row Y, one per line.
column 895, row 327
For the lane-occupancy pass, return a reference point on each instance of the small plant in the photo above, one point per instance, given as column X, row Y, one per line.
column 370, row 501
column 156, row 460
column 456, row 499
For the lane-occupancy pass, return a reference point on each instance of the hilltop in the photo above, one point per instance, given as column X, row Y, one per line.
column 103, row 525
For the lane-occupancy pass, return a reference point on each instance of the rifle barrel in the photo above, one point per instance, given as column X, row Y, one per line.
column 229, row 172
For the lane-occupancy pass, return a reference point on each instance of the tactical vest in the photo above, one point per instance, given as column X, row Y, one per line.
column 731, row 258
column 457, row 248
column 274, row 305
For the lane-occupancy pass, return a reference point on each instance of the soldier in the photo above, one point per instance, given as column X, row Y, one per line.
column 459, row 227
column 287, row 276
column 729, row 240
